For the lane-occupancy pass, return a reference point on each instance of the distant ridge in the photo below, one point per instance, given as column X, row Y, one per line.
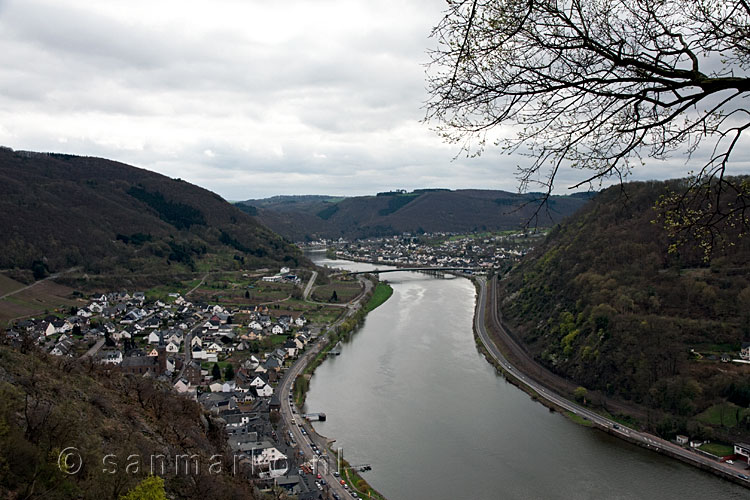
column 303, row 218
column 60, row 211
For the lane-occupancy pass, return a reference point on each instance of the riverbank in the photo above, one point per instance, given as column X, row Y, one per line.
column 336, row 334
column 493, row 351
column 339, row 333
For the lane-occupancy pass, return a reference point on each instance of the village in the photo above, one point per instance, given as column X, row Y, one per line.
column 229, row 358
column 496, row 250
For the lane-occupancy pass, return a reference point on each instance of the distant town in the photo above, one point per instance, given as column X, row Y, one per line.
column 479, row 251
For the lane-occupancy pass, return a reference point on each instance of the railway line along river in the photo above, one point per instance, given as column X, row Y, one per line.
column 412, row 396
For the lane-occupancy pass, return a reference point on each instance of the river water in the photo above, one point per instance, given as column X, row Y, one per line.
column 412, row 396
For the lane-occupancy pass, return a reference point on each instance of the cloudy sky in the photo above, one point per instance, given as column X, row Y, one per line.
column 247, row 98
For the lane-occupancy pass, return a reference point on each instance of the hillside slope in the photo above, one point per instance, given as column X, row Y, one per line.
column 603, row 303
column 60, row 211
column 429, row 210
column 112, row 420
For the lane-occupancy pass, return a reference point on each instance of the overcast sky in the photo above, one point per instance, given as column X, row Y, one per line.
column 246, row 98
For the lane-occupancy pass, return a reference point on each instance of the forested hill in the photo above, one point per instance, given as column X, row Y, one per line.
column 303, row 218
column 603, row 303
column 60, row 211
column 118, row 429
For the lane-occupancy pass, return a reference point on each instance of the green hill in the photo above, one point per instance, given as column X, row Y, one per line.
column 303, row 218
column 61, row 211
column 603, row 302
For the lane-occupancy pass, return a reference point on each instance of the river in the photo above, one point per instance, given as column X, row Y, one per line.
column 412, row 396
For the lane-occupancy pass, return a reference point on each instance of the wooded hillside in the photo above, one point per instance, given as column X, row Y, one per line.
column 50, row 404
column 604, row 303
column 60, row 211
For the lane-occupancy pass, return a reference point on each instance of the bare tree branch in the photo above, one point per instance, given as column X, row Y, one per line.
column 599, row 86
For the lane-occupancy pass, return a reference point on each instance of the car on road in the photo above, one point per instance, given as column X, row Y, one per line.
column 729, row 462
column 336, row 496
column 294, row 422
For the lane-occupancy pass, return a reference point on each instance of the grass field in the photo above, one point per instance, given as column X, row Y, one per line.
column 8, row 285
column 345, row 291
column 724, row 415
column 383, row 292
column 718, row 449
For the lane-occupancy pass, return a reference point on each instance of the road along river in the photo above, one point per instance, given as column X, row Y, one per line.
column 412, row 396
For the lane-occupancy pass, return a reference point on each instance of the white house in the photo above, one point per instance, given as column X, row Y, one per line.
column 213, row 348
column 270, row 461
column 110, row 357
column 182, row 386
column 202, row 355
column 173, row 348
column 745, row 351
column 63, row 346
column 50, row 330
column 264, row 392
column 175, row 337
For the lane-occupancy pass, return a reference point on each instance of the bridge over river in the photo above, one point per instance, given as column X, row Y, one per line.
column 398, row 269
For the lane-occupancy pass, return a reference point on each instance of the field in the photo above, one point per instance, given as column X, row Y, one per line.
column 382, row 293
column 720, row 450
column 44, row 297
column 8, row 285
column 723, row 415
column 345, row 291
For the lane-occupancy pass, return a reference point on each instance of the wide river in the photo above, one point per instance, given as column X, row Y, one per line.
column 412, row 396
